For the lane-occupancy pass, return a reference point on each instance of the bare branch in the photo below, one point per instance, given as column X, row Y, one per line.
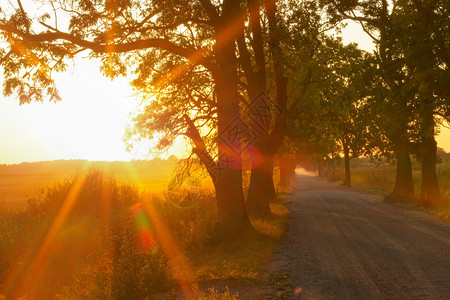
column 366, row 30
column 200, row 147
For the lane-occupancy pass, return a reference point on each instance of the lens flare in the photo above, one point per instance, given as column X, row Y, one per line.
column 180, row 265
column 147, row 240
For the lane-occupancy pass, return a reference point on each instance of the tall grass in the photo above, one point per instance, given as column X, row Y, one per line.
column 106, row 247
column 443, row 172
column 380, row 180
column 90, row 237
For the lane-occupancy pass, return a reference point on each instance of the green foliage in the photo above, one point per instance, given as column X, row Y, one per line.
column 330, row 109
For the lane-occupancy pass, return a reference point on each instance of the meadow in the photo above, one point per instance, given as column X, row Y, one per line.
column 21, row 181
column 109, row 231
column 379, row 179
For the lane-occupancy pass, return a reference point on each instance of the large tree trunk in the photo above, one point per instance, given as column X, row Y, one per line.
column 404, row 187
column 232, row 212
column 430, row 193
column 347, row 177
column 231, row 207
column 233, row 217
column 261, row 190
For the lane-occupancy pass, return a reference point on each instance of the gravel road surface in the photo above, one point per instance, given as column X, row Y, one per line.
column 342, row 244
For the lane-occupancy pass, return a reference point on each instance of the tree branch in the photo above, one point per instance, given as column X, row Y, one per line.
column 200, row 147
column 366, row 30
column 196, row 57
column 24, row 16
column 277, row 134
column 5, row 57
column 210, row 10
column 257, row 42
column 245, row 60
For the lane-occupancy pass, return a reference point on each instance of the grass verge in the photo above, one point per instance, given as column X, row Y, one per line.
column 94, row 238
column 380, row 181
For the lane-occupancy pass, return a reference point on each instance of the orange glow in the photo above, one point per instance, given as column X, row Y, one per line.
column 147, row 240
column 21, row 49
column 179, row 264
column 34, row 275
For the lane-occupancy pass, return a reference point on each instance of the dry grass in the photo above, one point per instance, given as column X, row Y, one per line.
column 19, row 182
column 114, row 241
column 380, row 181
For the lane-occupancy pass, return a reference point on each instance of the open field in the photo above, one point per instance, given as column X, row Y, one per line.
column 98, row 237
column 18, row 182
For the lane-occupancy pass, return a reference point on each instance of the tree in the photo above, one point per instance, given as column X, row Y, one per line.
column 345, row 114
column 119, row 33
column 307, row 53
column 333, row 115
column 376, row 19
column 422, row 30
column 267, row 126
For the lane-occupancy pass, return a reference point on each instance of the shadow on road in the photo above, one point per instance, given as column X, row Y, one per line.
column 343, row 244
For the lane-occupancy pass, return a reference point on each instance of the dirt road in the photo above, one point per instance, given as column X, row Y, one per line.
column 342, row 244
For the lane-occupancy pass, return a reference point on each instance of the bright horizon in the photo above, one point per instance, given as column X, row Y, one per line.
column 88, row 123
column 90, row 120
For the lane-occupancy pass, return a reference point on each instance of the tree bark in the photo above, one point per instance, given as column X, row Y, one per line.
column 404, row 187
column 429, row 193
column 261, row 182
column 347, row 177
column 320, row 169
column 261, row 190
column 232, row 212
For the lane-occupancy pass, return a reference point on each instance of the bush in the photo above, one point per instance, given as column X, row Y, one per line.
column 101, row 248
column 106, row 240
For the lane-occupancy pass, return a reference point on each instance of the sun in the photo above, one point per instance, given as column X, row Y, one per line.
column 88, row 123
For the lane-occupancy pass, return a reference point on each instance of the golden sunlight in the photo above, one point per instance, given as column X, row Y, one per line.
column 88, row 123
column 195, row 173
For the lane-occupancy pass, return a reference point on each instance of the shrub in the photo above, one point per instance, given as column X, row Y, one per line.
column 98, row 251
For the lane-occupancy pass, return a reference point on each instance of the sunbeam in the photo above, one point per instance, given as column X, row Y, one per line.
column 180, row 265
column 32, row 280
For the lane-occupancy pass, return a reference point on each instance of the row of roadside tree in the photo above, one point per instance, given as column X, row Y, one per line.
column 252, row 79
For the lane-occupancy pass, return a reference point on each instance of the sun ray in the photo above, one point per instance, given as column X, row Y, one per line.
column 223, row 38
column 179, row 264
column 34, row 275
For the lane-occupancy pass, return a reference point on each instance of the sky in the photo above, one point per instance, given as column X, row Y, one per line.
column 89, row 122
